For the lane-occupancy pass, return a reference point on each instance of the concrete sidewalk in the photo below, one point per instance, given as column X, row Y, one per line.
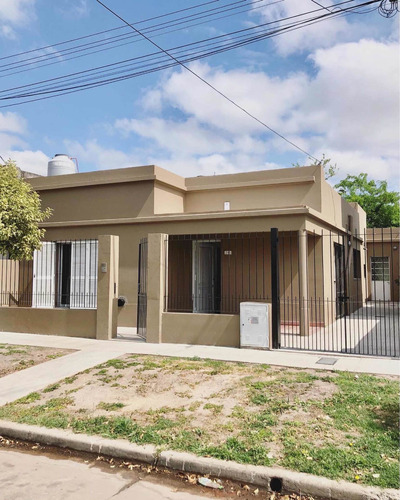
column 93, row 352
column 128, row 342
column 21, row 383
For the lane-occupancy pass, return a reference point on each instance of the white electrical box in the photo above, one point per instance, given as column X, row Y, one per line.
column 254, row 325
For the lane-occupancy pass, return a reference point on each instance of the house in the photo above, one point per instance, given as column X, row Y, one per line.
column 383, row 266
column 198, row 247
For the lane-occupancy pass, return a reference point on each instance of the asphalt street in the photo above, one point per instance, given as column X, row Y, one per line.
column 25, row 476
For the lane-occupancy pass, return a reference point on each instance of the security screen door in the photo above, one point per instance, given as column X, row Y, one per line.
column 43, row 285
column 380, row 276
column 206, row 276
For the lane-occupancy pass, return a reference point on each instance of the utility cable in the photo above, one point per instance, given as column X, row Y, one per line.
column 106, row 31
column 189, row 57
column 126, row 36
column 112, row 45
column 207, row 83
column 174, row 22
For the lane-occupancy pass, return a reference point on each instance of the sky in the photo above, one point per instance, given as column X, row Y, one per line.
column 331, row 88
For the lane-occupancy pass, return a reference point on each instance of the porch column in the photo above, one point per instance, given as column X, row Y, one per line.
column 107, row 287
column 303, row 277
column 155, row 286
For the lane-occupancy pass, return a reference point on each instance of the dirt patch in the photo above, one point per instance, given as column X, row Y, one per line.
column 18, row 357
column 211, row 396
column 307, row 420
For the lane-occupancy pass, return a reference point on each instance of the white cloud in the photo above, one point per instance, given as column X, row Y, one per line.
column 347, row 109
column 13, row 128
column 377, row 167
column 259, row 93
column 354, row 99
column 13, row 123
column 30, row 161
column 75, row 9
column 99, row 157
column 10, row 141
column 7, row 32
column 15, row 13
column 187, row 136
column 321, row 34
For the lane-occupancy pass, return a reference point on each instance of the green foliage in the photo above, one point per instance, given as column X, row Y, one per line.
column 51, row 388
column 339, row 425
column 382, row 206
column 329, row 169
column 20, row 215
column 110, row 406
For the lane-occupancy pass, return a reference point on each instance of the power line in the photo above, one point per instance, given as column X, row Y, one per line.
column 112, row 42
column 107, row 31
column 132, row 75
column 160, row 26
column 233, row 41
column 59, row 60
column 146, row 68
column 86, row 49
column 241, row 40
column 207, row 83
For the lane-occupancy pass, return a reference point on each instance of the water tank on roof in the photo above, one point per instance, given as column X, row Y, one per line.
column 61, row 165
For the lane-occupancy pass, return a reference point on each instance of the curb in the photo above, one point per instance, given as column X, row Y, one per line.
column 293, row 482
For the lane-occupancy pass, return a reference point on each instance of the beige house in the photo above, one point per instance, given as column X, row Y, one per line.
column 383, row 264
column 206, row 247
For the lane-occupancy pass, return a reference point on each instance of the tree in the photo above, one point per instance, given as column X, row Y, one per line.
column 382, row 206
column 329, row 169
column 20, row 215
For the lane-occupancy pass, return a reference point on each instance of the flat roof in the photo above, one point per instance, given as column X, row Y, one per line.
column 154, row 173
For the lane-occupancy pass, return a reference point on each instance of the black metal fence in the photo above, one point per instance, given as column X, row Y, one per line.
column 349, row 302
column 214, row 273
column 61, row 274
column 331, row 291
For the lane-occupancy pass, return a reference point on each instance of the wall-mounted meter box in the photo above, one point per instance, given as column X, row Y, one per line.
column 254, row 325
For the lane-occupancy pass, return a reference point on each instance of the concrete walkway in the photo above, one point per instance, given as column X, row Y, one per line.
column 93, row 352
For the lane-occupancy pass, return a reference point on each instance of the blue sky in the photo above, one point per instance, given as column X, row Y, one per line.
column 332, row 88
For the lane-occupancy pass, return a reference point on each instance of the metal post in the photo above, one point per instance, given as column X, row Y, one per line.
column 276, row 313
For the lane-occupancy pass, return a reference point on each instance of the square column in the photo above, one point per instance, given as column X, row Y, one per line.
column 107, row 287
column 303, row 277
column 156, row 262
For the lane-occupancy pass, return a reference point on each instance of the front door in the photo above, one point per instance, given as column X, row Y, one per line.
column 380, row 277
column 340, row 282
column 64, row 274
column 206, row 276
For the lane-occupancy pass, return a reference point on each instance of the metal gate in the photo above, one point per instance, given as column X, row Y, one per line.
column 336, row 292
column 142, row 290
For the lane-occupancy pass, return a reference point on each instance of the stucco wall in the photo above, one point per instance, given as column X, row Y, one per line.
column 390, row 250
column 130, row 235
column 168, row 200
column 255, row 190
column 61, row 322
column 201, row 329
column 99, row 202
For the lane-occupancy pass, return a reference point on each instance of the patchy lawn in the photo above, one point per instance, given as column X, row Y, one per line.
column 18, row 357
column 337, row 425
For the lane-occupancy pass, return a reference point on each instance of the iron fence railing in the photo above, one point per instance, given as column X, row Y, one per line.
column 334, row 291
column 61, row 274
